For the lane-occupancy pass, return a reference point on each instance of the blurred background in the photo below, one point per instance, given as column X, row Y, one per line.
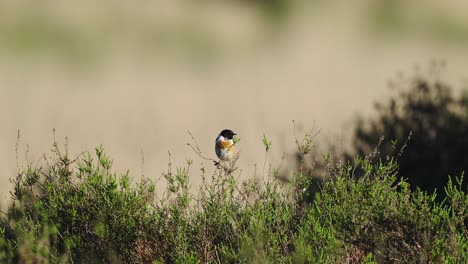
column 135, row 76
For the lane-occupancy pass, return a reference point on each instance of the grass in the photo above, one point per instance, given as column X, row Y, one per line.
column 81, row 211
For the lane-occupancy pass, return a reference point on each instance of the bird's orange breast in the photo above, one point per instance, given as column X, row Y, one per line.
column 224, row 144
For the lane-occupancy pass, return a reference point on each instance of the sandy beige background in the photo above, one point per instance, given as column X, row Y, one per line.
column 324, row 67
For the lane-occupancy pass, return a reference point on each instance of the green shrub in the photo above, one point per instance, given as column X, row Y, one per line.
column 80, row 210
column 423, row 106
column 86, row 213
column 374, row 213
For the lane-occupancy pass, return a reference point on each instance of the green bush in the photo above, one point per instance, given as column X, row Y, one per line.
column 375, row 215
column 424, row 108
column 81, row 211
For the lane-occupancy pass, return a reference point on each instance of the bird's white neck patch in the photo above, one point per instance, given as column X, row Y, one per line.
column 220, row 138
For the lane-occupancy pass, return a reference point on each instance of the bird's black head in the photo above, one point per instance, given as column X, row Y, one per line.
column 227, row 134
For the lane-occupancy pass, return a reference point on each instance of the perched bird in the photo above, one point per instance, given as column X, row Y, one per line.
column 224, row 145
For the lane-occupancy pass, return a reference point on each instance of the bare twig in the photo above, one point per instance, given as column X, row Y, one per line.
column 169, row 164
column 194, row 140
column 264, row 165
column 294, row 130
column 374, row 153
column 282, row 161
column 404, row 145
column 77, row 157
column 142, row 163
column 240, row 192
column 1, row 211
column 53, row 132
column 197, row 150
column 66, row 146
column 16, row 151
column 26, row 154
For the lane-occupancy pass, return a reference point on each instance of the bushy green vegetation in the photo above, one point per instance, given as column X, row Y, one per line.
column 425, row 108
column 81, row 211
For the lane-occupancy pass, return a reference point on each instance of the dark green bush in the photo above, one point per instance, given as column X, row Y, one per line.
column 82, row 211
column 376, row 215
column 423, row 106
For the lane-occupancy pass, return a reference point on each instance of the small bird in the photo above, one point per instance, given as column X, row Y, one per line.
column 224, row 146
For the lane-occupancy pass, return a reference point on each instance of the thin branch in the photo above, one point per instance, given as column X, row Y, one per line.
column 16, row 151
column 243, row 195
column 77, row 157
column 404, row 145
column 374, row 153
column 197, row 150
column 142, row 163
column 264, row 163
column 1, row 211
column 199, row 153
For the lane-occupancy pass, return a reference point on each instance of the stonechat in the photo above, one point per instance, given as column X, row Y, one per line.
column 224, row 145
